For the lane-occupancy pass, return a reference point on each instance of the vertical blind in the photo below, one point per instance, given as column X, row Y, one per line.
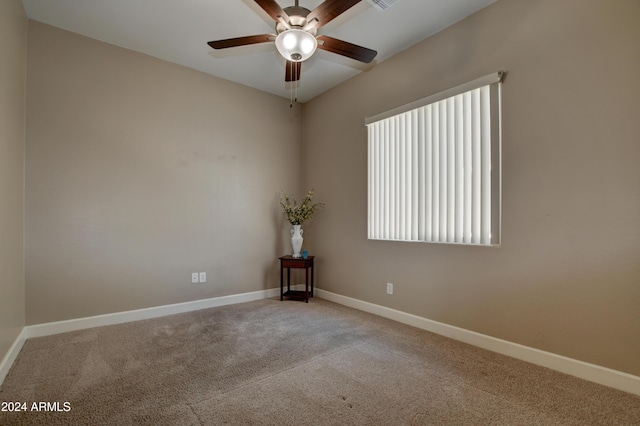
column 434, row 169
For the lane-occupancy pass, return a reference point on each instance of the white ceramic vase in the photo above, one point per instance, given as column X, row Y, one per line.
column 296, row 240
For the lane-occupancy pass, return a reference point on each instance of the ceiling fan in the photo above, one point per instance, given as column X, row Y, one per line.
column 296, row 34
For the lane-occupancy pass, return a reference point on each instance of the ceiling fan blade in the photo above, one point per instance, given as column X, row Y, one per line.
column 329, row 10
column 273, row 9
column 292, row 71
column 241, row 41
column 347, row 49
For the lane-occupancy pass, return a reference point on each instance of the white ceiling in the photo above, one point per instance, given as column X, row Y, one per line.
column 178, row 30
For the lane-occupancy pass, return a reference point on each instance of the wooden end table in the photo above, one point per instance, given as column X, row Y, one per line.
column 289, row 262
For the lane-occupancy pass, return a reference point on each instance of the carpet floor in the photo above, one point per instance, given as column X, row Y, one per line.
column 290, row 363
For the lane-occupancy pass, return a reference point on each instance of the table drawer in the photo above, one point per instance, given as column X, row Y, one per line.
column 295, row 263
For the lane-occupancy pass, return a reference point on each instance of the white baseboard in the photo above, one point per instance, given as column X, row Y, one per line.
column 12, row 354
column 594, row 373
column 50, row 328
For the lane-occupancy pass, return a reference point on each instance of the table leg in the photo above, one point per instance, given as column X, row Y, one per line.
column 289, row 280
column 312, row 280
column 281, row 284
column 306, row 284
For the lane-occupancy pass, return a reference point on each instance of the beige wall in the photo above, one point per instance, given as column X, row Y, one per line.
column 13, row 45
column 140, row 172
column 567, row 277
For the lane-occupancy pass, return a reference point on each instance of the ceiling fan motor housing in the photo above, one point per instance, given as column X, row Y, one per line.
column 297, row 19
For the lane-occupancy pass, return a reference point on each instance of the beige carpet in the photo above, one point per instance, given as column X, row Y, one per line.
column 291, row 363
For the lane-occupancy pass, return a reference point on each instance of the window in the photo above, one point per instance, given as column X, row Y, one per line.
column 434, row 167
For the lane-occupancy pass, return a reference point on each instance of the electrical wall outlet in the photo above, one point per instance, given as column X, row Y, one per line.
column 194, row 278
column 203, row 277
column 389, row 288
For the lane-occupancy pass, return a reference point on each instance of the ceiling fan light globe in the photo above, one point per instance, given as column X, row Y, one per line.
column 289, row 41
column 296, row 45
column 308, row 46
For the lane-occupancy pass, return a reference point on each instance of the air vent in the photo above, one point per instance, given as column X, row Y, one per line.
column 383, row 4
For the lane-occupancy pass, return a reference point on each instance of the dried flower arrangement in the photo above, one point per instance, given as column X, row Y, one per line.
column 298, row 214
